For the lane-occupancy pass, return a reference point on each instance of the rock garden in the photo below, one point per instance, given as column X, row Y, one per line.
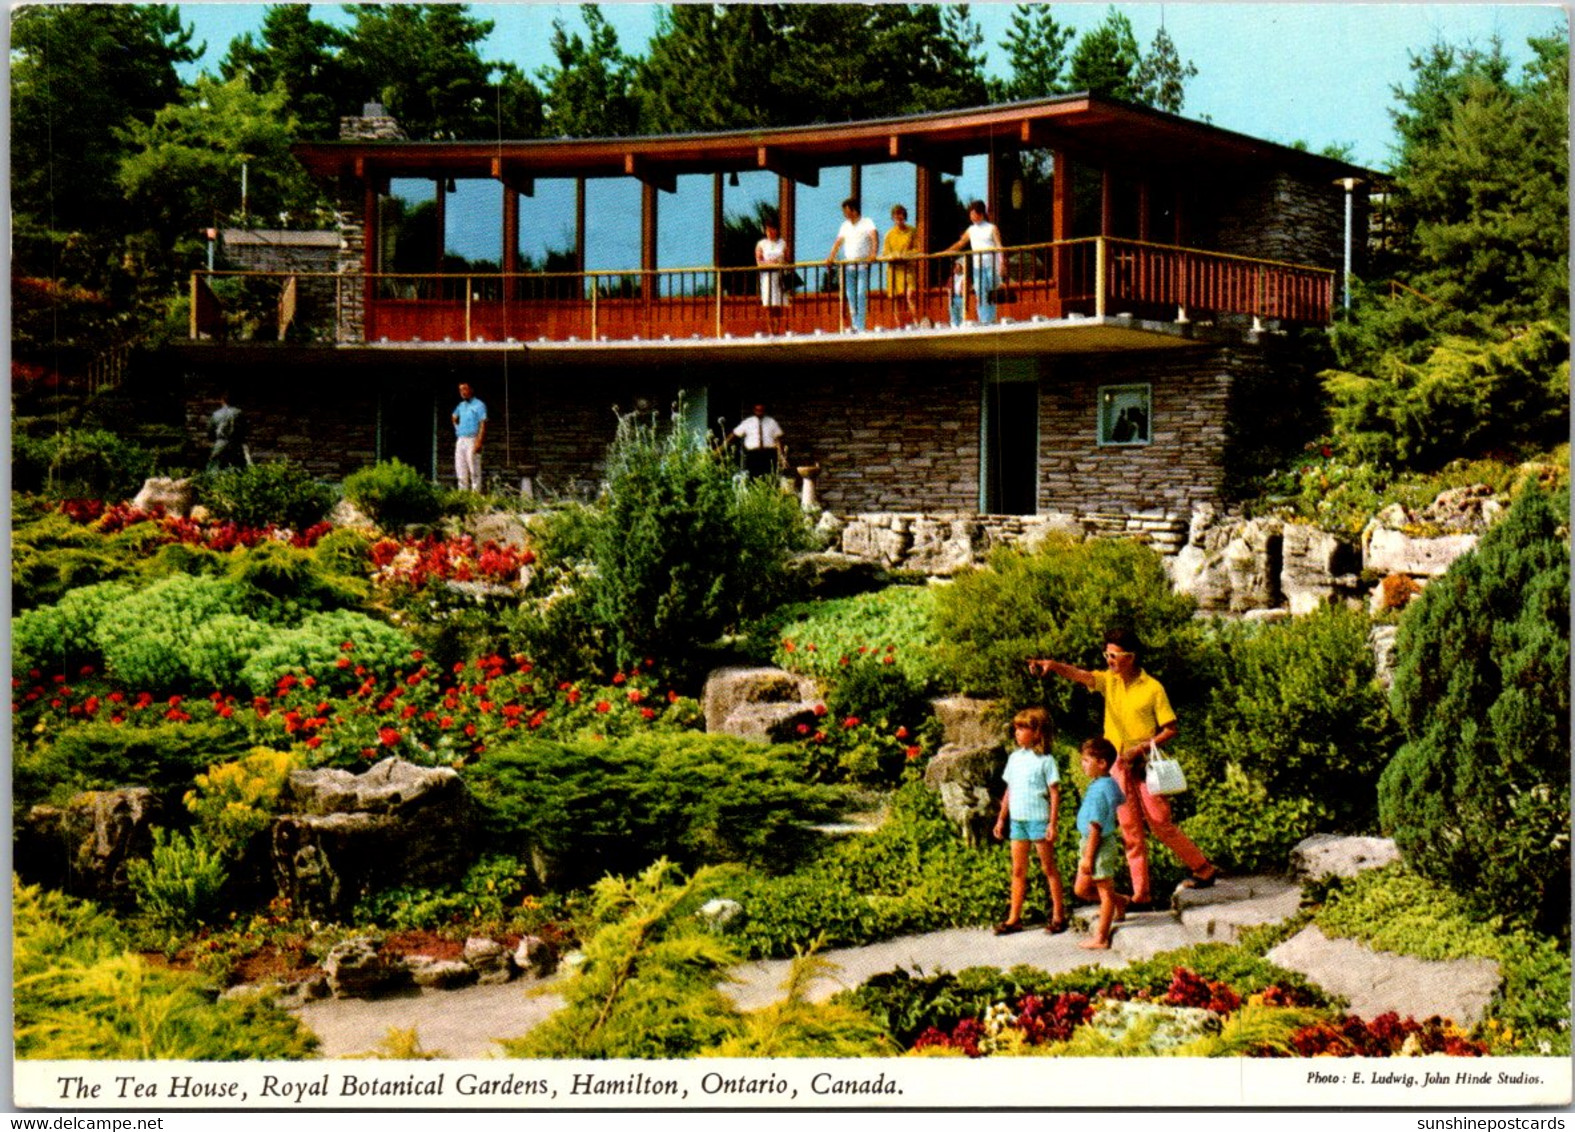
column 284, row 749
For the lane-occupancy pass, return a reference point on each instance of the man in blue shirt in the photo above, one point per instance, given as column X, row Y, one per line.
column 470, row 429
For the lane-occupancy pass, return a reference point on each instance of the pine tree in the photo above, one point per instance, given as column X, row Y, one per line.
column 1478, row 796
column 1161, row 77
column 1106, row 60
column 1035, row 46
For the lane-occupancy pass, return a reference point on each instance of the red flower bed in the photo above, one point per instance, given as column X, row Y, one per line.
column 222, row 536
column 414, row 563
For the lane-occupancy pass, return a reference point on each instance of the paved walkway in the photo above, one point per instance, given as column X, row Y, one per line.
column 466, row 1023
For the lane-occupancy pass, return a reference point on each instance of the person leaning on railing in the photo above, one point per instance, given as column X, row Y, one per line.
column 859, row 242
column 989, row 266
column 899, row 246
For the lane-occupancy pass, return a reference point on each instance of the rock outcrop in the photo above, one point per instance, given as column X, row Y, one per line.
column 343, row 835
column 85, row 846
column 763, row 704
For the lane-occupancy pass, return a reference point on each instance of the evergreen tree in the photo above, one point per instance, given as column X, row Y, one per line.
column 422, row 62
column 302, row 54
column 741, row 65
column 1106, row 60
column 79, row 72
column 1036, row 48
column 1161, row 77
column 1478, row 796
column 589, row 93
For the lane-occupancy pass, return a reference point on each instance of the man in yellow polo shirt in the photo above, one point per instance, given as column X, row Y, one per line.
column 1137, row 713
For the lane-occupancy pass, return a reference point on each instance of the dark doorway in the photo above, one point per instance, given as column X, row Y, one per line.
column 407, row 420
column 1011, row 446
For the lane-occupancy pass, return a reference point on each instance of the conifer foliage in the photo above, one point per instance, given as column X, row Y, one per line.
column 1478, row 797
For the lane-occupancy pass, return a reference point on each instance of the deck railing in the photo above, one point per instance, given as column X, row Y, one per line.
column 1093, row 277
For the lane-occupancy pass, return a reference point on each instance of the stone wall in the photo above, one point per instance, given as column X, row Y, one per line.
column 1282, row 216
column 940, row 544
column 1182, row 466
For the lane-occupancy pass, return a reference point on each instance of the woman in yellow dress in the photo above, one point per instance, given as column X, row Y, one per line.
column 901, row 244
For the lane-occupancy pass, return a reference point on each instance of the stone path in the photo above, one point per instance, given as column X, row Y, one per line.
column 466, row 1023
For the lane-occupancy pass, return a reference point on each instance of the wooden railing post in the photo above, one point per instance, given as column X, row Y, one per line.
column 469, row 291
column 1101, row 264
column 719, row 302
column 193, row 319
column 594, row 289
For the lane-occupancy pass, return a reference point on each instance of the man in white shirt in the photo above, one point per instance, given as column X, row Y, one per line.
column 762, row 440
column 860, row 244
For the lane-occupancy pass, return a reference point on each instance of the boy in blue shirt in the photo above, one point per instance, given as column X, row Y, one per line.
column 1096, row 824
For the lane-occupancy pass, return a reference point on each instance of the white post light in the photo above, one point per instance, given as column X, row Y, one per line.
column 1349, row 185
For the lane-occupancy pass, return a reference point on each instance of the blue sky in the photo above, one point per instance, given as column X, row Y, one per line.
column 1319, row 73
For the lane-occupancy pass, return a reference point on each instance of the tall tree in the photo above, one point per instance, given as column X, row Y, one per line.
column 589, row 92
column 1036, row 48
column 302, row 54
column 1106, row 60
column 1162, row 74
column 184, row 169
column 79, row 71
column 732, row 66
column 423, row 62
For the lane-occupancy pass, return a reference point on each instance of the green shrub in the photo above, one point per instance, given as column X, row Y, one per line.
column 315, row 646
column 590, row 808
column 217, row 651
column 280, row 493
column 343, row 552
column 912, row 874
column 234, row 802
column 99, row 755
column 1394, row 909
column 55, row 637
column 680, row 550
column 648, row 986
column 822, row 638
column 490, row 893
column 394, row 494
column 51, row 555
column 144, row 638
column 1299, row 713
column 81, row 993
column 1057, row 603
column 1478, row 796
column 281, row 582
column 1469, row 396
column 183, row 558
column 1241, row 826
column 178, row 888
column 85, row 464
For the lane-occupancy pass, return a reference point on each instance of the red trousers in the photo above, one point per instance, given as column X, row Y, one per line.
column 1144, row 813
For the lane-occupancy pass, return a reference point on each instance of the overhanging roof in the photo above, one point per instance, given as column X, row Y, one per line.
column 1081, row 124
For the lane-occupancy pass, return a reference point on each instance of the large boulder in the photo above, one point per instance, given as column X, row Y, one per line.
column 737, row 691
column 84, row 847
column 174, row 497
column 1228, row 565
column 941, row 546
column 343, row 835
column 1325, row 855
column 968, row 780
column 1317, row 568
column 831, row 574
column 968, row 722
column 1390, row 551
column 358, row 968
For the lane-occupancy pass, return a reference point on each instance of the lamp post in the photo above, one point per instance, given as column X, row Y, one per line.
column 1349, row 185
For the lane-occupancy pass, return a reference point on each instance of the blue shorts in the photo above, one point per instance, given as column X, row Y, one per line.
column 1029, row 830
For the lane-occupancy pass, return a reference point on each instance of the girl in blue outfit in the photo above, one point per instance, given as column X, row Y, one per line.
column 1032, row 804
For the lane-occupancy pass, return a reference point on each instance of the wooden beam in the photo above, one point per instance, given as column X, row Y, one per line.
column 513, row 178
column 942, row 160
column 642, row 169
column 717, row 220
column 511, row 241
column 787, row 214
column 784, row 166
column 579, row 224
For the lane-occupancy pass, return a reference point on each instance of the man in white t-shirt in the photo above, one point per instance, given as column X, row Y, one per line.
column 761, row 437
column 860, row 244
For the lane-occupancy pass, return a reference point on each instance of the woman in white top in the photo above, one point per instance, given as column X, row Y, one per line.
column 983, row 237
column 771, row 252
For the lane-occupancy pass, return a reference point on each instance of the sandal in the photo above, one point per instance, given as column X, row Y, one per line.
column 1201, row 882
column 1008, row 929
column 1056, row 927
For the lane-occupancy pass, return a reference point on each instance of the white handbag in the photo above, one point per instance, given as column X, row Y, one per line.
column 1164, row 774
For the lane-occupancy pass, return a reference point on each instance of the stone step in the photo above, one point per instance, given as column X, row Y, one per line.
column 1233, row 904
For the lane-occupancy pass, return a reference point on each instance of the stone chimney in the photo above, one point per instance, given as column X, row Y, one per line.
column 374, row 124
